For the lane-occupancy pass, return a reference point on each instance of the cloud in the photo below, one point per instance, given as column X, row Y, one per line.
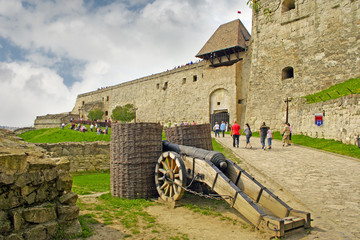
column 80, row 46
column 29, row 91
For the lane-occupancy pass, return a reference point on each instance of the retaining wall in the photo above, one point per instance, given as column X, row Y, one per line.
column 84, row 156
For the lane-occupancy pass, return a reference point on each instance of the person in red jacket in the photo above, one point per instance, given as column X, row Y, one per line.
column 235, row 133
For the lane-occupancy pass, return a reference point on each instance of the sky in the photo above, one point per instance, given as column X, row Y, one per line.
column 53, row 50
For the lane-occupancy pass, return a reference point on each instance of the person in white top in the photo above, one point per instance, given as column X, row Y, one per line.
column 269, row 137
column 217, row 129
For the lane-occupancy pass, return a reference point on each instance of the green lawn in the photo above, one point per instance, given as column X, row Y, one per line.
column 56, row 135
column 321, row 144
column 84, row 183
column 351, row 86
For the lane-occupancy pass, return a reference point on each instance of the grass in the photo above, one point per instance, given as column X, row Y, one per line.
column 226, row 151
column 321, row 144
column 351, row 86
column 56, row 135
column 100, row 182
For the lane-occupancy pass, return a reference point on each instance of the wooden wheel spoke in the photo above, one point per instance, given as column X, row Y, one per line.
column 164, row 185
column 171, row 191
column 176, row 189
column 176, row 175
column 165, row 165
column 167, row 190
column 161, row 178
column 176, row 169
column 178, row 182
column 162, row 171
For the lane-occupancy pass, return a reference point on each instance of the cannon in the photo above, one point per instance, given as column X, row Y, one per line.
column 178, row 164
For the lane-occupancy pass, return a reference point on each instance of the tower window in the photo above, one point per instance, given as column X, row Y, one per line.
column 288, row 5
column 107, row 98
column 184, row 81
column 194, row 78
column 165, row 86
column 218, row 103
column 287, row 73
column 157, row 86
column 83, row 102
column 106, row 113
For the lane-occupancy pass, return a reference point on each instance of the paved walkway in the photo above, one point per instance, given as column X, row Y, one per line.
column 327, row 185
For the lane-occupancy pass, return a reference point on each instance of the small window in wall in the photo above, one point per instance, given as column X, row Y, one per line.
column 83, row 102
column 106, row 113
column 194, row 78
column 288, row 5
column 184, row 81
column 158, row 86
column 218, row 103
column 287, row 73
column 240, row 101
column 165, row 86
column 107, row 98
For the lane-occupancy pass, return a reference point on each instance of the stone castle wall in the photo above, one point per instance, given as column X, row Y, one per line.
column 319, row 39
column 190, row 93
column 85, row 156
column 53, row 120
column 36, row 201
column 341, row 120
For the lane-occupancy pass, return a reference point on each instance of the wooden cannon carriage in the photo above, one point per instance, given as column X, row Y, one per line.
column 256, row 203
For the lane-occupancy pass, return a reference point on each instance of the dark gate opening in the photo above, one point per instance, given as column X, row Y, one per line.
column 219, row 117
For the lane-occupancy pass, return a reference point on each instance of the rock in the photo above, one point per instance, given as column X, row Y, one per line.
column 50, row 174
column 64, row 183
column 31, row 198
column 42, row 193
column 23, row 180
column 35, row 177
column 5, row 225
column 6, row 179
column 4, row 202
column 40, row 214
column 18, row 220
column 69, row 198
column 40, row 164
column 26, row 190
column 67, row 213
column 14, row 236
column 71, row 228
column 51, row 229
column 38, row 232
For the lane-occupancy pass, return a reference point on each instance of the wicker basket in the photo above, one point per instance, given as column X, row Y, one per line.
column 134, row 150
column 191, row 135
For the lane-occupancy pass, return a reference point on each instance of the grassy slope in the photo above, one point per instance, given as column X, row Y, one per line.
column 322, row 144
column 55, row 135
column 338, row 90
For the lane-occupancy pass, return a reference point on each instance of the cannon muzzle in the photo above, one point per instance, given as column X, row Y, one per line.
column 215, row 157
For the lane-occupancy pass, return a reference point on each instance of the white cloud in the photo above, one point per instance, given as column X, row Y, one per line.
column 27, row 91
column 116, row 43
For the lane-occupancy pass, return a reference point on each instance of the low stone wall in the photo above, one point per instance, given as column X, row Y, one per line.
column 36, row 201
column 53, row 120
column 341, row 120
column 84, row 156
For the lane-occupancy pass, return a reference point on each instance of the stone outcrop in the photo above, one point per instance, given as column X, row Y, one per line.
column 84, row 156
column 35, row 192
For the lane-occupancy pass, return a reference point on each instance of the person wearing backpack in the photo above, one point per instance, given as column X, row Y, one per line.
column 248, row 133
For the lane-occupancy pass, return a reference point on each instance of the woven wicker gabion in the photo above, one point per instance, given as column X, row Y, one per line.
column 134, row 151
column 191, row 135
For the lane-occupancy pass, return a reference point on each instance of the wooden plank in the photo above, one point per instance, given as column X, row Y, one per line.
column 273, row 205
column 301, row 214
column 290, row 224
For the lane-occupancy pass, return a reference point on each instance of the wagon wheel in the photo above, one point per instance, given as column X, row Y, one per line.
column 169, row 176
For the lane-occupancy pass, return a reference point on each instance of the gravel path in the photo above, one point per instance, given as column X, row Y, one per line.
column 328, row 185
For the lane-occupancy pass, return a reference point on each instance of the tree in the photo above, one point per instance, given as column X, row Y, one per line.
column 95, row 114
column 123, row 113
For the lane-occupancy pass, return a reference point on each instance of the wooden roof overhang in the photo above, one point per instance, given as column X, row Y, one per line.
column 216, row 58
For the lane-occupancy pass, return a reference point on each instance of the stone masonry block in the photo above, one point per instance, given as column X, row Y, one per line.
column 5, row 225
column 67, row 213
column 40, row 214
column 64, row 183
column 14, row 236
column 69, row 198
column 6, row 179
column 36, row 232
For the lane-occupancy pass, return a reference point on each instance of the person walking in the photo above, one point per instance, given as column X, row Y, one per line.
column 217, row 129
column 290, row 133
column 92, row 127
column 248, row 133
column 235, row 133
column 263, row 132
column 269, row 137
column 222, row 128
column 286, row 135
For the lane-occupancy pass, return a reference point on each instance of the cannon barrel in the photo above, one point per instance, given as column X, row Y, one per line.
column 215, row 157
